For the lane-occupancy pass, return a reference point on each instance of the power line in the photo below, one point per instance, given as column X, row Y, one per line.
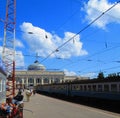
column 102, row 51
column 57, row 49
column 107, row 69
column 28, row 55
column 2, row 20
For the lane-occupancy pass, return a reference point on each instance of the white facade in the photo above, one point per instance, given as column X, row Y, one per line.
column 38, row 75
column 72, row 78
column 30, row 78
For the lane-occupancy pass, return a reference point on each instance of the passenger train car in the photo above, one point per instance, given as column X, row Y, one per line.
column 108, row 89
column 2, row 85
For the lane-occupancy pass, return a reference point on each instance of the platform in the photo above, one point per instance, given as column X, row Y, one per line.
column 41, row 106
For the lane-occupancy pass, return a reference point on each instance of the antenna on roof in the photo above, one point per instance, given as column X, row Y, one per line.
column 37, row 56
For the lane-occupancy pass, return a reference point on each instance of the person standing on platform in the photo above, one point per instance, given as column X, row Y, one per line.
column 28, row 94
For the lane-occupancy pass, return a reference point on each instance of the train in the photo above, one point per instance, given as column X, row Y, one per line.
column 3, row 76
column 104, row 89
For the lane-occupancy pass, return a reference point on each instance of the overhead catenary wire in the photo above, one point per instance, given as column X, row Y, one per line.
column 2, row 20
column 57, row 49
column 106, row 69
column 102, row 51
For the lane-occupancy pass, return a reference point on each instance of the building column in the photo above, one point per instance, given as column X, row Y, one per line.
column 22, row 82
column 27, row 81
column 34, row 81
column 53, row 79
column 49, row 80
column 61, row 80
column 42, row 82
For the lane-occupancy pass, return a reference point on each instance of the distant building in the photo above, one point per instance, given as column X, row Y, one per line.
column 74, row 78
column 36, row 75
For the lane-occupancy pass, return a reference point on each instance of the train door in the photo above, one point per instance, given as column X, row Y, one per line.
column 69, row 88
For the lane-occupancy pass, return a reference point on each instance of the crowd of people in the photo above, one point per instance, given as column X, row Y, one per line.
column 12, row 105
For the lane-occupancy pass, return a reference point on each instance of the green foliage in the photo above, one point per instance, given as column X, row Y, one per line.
column 114, row 75
column 110, row 76
column 100, row 75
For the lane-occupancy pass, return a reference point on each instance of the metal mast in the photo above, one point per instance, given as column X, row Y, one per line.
column 8, row 54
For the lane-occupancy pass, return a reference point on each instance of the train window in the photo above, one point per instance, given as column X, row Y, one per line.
column 60, row 88
column 0, row 85
column 74, row 87
column 119, row 87
column 106, row 87
column 77, row 87
column 85, row 87
column 94, row 87
column 100, row 88
column 113, row 87
column 81, row 87
column 89, row 87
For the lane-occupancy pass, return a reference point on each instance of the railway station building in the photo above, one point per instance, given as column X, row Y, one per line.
column 37, row 74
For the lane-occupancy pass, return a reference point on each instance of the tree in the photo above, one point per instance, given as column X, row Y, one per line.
column 100, row 75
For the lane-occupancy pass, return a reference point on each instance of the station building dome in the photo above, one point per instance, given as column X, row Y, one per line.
column 36, row 66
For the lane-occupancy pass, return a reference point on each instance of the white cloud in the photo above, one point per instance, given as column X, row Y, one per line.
column 18, row 43
column 69, row 73
column 1, row 49
column 19, row 58
column 95, row 7
column 43, row 45
column 91, row 75
column 1, row 39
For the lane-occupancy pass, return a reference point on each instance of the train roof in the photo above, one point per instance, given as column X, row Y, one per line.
column 2, row 71
column 87, row 81
column 96, row 81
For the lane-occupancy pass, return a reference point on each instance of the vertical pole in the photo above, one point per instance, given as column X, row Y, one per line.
column 8, row 54
column 13, row 79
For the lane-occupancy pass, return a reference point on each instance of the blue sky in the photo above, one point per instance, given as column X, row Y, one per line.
column 53, row 22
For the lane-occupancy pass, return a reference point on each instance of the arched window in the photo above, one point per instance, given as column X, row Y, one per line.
column 56, row 80
column 30, row 80
column 46, row 80
column 38, row 80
